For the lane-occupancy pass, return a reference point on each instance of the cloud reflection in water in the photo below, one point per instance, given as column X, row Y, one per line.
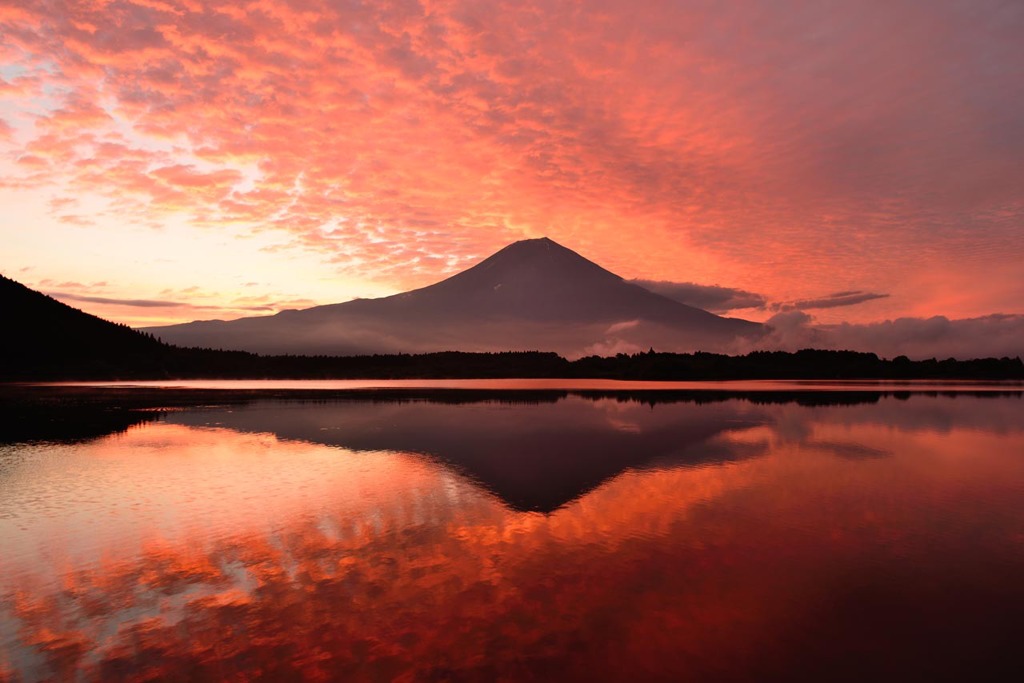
column 713, row 540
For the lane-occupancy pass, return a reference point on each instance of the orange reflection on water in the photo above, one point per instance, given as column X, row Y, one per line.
column 254, row 556
column 555, row 384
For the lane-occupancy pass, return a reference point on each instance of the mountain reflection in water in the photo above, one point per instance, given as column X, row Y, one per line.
column 581, row 537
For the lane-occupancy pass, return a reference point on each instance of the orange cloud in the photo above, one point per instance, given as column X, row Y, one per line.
column 380, row 563
column 784, row 150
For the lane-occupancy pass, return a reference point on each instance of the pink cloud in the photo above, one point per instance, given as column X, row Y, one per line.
column 187, row 176
column 785, row 149
column 101, row 299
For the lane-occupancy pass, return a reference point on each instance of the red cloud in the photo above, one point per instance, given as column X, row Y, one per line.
column 680, row 142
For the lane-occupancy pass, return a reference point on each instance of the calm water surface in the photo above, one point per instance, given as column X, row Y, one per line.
column 561, row 384
column 562, row 536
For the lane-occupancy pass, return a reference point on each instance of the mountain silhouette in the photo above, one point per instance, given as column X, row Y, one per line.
column 46, row 338
column 533, row 294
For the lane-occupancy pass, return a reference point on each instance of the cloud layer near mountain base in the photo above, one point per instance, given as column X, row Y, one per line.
column 918, row 338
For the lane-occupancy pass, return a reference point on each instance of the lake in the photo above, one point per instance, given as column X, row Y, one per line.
column 487, row 531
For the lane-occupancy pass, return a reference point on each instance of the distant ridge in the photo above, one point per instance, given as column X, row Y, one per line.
column 532, row 294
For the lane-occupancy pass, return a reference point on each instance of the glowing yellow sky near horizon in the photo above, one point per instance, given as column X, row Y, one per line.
column 218, row 159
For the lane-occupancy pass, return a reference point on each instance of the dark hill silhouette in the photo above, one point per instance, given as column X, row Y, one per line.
column 46, row 338
column 533, row 294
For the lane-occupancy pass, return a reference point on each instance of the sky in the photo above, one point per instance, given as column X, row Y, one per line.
column 857, row 163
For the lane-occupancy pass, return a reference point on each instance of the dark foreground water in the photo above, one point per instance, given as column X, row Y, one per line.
column 516, row 536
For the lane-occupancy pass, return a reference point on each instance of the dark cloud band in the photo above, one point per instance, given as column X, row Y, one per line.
column 150, row 303
column 709, row 297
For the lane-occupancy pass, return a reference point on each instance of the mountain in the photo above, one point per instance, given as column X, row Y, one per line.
column 533, row 294
column 45, row 338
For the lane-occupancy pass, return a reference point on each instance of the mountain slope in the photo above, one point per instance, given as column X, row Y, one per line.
column 533, row 294
column 44, row 337
column 540, row 280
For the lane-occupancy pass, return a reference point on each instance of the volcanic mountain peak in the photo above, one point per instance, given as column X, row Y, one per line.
column 530, row 266
column 541, row 250
column 532, row 294
column 535, row 280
